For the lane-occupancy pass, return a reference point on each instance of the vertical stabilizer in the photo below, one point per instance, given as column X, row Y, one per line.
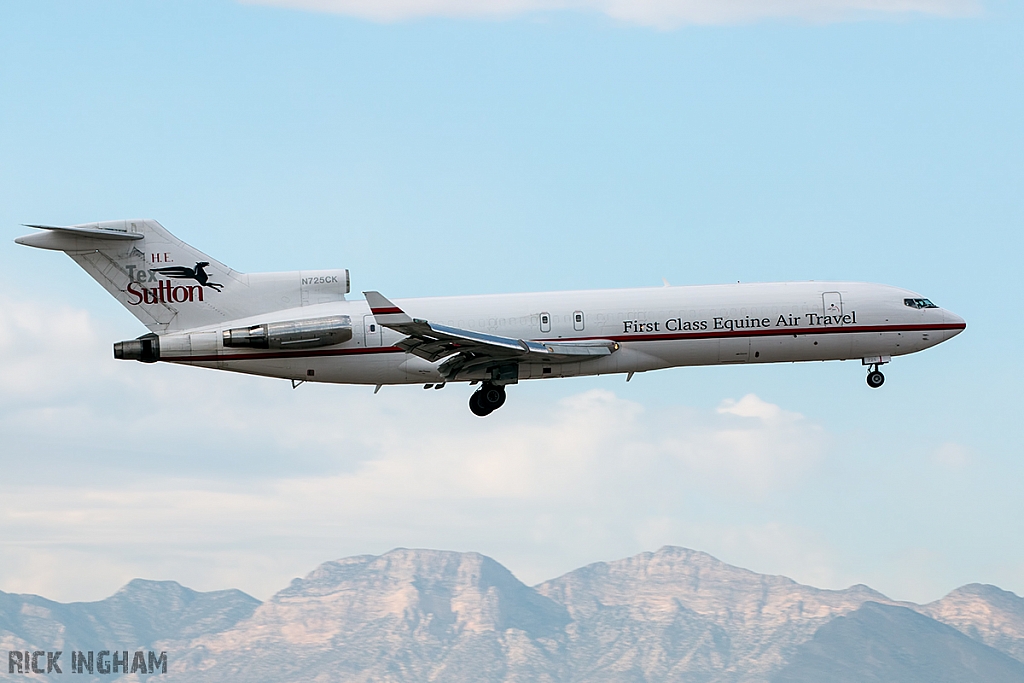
column 169, row 285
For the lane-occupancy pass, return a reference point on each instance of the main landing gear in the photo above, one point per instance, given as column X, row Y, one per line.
column 488, row 398
column 875, row 377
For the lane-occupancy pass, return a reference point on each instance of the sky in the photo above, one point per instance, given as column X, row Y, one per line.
column 442, row 147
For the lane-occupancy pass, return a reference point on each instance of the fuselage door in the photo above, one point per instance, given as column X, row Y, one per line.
column 545, row 322
column 832, row 304
column 577, row 321
column 373, row 335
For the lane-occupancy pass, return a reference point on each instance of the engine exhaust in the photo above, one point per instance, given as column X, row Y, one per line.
column 145, row 349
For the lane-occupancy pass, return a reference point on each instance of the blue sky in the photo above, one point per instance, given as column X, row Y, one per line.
column 522, row 151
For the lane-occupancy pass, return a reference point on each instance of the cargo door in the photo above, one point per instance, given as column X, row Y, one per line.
column 733, row 349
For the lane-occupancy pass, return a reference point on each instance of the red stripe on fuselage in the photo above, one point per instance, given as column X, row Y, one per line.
column 675, row 336
column 776, row 331
column 287, row 354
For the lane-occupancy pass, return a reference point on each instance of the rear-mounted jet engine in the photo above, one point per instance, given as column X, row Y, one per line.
column 294, row 334
column 146, row 349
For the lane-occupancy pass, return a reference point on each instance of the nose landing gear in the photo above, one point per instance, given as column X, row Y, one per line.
column 488, row 398
column 875, row 377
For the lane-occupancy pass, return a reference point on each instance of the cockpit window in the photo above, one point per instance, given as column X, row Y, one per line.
column 919, row 303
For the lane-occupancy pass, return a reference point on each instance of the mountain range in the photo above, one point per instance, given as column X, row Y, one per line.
column 429, row 615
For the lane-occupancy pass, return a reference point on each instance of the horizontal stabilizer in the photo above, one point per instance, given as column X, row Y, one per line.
column 94, row 232
column 71, row 238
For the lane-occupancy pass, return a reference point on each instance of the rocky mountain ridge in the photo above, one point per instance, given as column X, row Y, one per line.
column 142, row 613
column 419, row 615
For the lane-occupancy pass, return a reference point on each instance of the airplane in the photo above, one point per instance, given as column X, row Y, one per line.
column 300, row 325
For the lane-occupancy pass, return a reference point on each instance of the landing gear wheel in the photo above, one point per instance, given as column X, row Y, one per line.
column 476, row 407
column 492, row 396
column 875, row 379
column 488, row 398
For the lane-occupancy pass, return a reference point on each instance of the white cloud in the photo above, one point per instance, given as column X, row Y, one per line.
column 41, row 348
column 665, row 14
column 952, row 456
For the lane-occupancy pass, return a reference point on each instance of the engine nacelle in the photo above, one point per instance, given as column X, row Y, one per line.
column 293, row 334
column 146, row 349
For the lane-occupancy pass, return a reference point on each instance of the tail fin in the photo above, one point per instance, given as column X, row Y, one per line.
column 169, row 285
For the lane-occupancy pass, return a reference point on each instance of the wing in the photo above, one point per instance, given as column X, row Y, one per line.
column 468, row 350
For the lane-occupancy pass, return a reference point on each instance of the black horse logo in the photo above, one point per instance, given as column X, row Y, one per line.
column 198, row 274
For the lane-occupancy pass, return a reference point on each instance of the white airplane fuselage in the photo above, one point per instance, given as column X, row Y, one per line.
column 655, row 328
column 301, row 326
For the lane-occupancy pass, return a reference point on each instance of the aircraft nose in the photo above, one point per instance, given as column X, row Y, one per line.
column 955, row 323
